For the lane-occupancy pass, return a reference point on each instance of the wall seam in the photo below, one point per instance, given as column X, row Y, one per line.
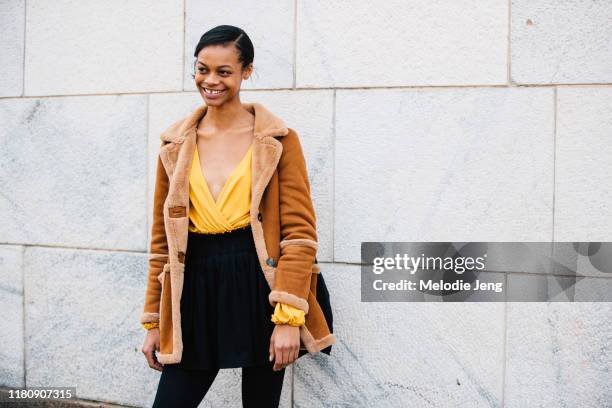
column 505, row 342
column 554, row 180
column 509, row 50
column 25, row 32
column 23, row 316
column 183, row 44
column 295, row 6
column 333, row 220
column 280, row 89
column 147, row 170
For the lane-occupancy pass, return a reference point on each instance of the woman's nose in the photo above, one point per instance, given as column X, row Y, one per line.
column 210, row 80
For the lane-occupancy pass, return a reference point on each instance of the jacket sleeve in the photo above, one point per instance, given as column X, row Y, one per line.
column 158, row 253
column 298, row 243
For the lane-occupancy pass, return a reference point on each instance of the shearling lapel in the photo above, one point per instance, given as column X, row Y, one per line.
column 178, row 155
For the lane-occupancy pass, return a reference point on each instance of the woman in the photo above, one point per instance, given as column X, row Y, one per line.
column 233, row 279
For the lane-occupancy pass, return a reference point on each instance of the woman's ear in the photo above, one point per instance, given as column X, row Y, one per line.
column 246, row 73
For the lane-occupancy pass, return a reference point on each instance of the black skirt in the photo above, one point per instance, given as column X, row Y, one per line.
column 225, row 312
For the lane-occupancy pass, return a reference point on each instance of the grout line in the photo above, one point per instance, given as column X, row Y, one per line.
column 292, row 384
column 73, row 248
column 509, row 53
column 25, row 32
column 23, row 316
column 295, row 43
column 505, row 342
column 554, row 181
column 183, row 45
column 23, row 248
column 333, row 209
column 147, row 170
column 507, row 272
column 355, row 88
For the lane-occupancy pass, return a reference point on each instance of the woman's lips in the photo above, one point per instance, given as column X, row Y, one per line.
column 213, row 95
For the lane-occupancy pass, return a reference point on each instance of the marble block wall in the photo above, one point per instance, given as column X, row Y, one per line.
column 420, row 121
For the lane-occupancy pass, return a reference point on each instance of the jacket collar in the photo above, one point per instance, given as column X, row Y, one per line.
column 266, row 123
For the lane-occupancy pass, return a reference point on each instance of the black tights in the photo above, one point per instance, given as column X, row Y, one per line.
column 261, row 386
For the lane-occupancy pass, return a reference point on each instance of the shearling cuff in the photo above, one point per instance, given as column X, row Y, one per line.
column 285, row 297
column 149, row 317
column 299, row 241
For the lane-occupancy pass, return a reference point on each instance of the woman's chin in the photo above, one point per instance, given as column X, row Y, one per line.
column 213, row 101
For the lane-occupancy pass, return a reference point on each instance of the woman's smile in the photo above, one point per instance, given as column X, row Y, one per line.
column 213, row 93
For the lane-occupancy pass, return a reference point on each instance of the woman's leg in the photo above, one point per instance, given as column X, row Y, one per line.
column 182, row 388
column 261, row 386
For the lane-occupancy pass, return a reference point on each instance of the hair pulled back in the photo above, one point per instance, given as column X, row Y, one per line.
column 225, row 34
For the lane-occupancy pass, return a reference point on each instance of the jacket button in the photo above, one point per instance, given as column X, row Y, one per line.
column 270, row 262
column 259, row 217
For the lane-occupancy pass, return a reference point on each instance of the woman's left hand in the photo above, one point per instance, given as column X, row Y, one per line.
column 284, row 345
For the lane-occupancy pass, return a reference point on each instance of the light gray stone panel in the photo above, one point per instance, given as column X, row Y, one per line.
column 558, row 355
column 11, row 323
column 269, row 25
column 310, row 114
column 565, row 42
column 399, row 43
column 82, row 323
column 583, row 197
column 450, row 165
column 103, row 47
column 12, row 23
column 77, row 171
column 403, row 353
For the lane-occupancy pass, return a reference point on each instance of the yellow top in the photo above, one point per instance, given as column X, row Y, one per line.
column 229, row 212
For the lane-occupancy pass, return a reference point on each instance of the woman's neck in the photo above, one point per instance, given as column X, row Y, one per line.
column 226, row 116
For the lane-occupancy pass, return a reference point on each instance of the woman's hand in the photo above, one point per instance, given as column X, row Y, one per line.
column 151, row 344
column 284, row 345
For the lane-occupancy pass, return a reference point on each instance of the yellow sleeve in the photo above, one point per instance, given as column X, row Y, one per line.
column 286, row 314
column 150, row 325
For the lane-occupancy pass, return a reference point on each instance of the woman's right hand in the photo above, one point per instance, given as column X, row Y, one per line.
column 151, row 344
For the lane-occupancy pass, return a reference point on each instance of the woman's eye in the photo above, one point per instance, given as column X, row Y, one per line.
column 201, row 71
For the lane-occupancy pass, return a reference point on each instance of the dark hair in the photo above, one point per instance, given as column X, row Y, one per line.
column 225, row 34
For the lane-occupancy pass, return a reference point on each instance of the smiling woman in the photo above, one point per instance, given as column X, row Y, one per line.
column 219, row 68
column 232, row 273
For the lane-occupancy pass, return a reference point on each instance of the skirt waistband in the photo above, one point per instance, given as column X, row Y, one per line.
column 226, row 242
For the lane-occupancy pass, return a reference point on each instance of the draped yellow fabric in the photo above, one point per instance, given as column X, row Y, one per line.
column 231, row 210
column 285, row 314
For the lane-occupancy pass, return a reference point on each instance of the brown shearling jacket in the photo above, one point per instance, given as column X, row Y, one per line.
column 282, row 219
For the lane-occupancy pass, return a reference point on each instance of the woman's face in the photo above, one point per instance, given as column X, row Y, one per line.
column 217, row 69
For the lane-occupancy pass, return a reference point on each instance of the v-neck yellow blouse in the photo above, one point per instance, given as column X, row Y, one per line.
column 229, row 212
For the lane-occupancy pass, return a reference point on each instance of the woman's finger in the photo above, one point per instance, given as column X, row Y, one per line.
column 271, row 348
column 280, row 356
column 151, row 360
column 296, row 354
